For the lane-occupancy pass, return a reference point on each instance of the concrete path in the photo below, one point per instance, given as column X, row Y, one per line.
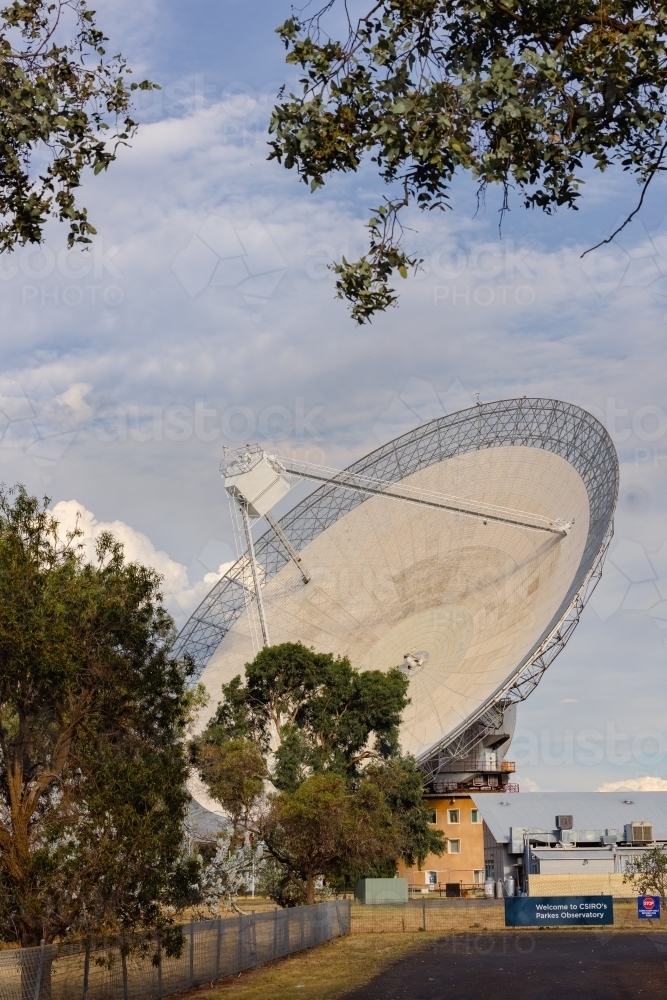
column 540, row 966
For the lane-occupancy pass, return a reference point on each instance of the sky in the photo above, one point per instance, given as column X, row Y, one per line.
column 205, row 316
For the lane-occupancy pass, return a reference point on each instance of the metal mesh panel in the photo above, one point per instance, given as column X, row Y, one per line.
column 213, row 949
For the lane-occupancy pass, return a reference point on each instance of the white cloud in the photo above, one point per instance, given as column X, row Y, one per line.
column 528, row 785
column 646, row 784
column 74, row 398
column 179, row 595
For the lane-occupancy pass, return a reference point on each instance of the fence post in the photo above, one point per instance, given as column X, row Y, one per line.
column 159, row 967
column 218, row 948
column 86, row 970
column 192, row 952
column 38, row 981
column 123, row 965
column 252, row 940
column 275, row 934
column 423, row 914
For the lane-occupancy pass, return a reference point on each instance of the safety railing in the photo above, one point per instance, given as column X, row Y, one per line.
column 485, row 765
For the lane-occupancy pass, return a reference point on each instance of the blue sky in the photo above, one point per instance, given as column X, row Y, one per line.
column 206, row 315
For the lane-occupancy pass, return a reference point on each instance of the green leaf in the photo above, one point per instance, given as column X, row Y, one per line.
column 54, row 106
column 426, row 90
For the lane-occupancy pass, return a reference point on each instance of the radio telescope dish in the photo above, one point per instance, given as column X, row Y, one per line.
column 473, row 597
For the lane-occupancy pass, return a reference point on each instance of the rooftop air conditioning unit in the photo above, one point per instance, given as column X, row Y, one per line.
column 639, row 832
column 564, row 822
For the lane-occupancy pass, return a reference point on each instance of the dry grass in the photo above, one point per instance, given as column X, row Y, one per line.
column 322, row 973
column 258, row 904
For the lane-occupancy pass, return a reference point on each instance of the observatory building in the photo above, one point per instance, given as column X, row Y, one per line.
column 462, row 552
column 541, row 843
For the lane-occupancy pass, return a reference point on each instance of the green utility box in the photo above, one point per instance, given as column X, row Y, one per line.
column 381, row 890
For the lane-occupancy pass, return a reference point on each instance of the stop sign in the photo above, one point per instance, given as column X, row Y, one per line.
column 648, row 907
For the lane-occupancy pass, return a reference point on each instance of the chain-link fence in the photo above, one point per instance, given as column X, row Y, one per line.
column 581, row 884
column 446, row 915
column 462, row 916
column 212, row 950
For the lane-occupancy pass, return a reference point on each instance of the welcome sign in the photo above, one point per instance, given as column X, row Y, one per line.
column 559, row 911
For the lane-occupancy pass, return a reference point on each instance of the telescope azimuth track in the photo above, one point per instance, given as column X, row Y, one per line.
column 480, row 600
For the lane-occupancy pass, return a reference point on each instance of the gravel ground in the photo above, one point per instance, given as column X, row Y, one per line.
column 540, row 966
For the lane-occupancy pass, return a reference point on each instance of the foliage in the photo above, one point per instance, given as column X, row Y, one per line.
column 402, row 787
column 64, row 106
column 93, row 709
column 232, row 866
column 275, row 882
column 234, row 771
column 518, row 93
column 647, row 872
column 347, row 803
column 322, row 828
column 323, row 714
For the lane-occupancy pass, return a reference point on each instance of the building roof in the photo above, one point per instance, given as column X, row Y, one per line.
column 589, row 810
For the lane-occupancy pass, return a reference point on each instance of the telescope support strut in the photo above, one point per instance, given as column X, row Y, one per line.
column 287, row 545
column 353, row 481
column 255, row 575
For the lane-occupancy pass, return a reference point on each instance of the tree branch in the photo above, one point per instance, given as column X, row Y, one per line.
column 632, row 214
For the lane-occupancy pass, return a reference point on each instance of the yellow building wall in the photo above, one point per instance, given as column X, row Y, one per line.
column 452, row 867
column 595, row 884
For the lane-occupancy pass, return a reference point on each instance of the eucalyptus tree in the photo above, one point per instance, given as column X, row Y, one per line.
column 647, row 872
column 64, row 106
column 304, row 755
column 522, row 94
column 93, row 715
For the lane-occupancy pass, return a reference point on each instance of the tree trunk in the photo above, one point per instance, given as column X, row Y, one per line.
column 310, row 890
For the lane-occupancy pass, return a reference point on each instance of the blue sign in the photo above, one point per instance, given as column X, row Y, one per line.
column 559, row 911
column 648, row 907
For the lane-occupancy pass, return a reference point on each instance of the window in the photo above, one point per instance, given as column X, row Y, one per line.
column 453, row 816
column 478, row 876
column 454, row 846
column 431, row 878
column 474, row 815
column 432, row 816
column 488, row 868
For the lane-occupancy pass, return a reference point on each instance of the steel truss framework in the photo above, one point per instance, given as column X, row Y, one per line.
column 554, row 426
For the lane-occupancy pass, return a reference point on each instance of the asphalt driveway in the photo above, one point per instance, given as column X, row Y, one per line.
column 544, row 965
